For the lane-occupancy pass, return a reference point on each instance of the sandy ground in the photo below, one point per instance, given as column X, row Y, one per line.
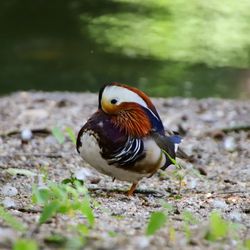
column 216, row 134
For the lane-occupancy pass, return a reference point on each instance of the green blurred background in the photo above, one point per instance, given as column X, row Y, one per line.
column 167, row 48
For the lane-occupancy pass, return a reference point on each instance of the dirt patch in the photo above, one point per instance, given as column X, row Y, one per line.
column 217, row 134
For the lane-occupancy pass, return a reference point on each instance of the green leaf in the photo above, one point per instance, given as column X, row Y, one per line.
column 49, row 211
column 88, row 211
column 112, row 233
column 21, row 171
column 172, row 159
column 188, row 217
column 25, row 244
column 71, row 134
column 58, row 134
column 11, row 220
column 157, row 220
column 40, row 196
column 55, row 239
column 247, row 244
column 82, row 229
column 168, row 208
column 218, row 227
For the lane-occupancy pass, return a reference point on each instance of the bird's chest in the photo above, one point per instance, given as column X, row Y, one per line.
column 91, row 152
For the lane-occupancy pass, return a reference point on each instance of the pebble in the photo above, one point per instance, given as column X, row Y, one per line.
column 82, row 174
column 171, row 168
column 230, row 144
column 142, row 242
column 8, row 202
column 8, row 190
column 33, row 114
column 26, row 135
column 51, row 140
column 7, row 234
column 235, row 216
column 207, row 117
column 192, row 183
column 221, row 204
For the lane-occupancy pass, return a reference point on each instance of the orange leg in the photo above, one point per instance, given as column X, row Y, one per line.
column 132, row 189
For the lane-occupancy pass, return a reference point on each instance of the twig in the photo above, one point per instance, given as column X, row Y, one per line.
column 43, row 131
column 26, row 210
column 226, row 130
column 40, row 155
column 138, row 191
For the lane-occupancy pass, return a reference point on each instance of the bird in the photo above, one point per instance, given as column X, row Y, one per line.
column 125, row 137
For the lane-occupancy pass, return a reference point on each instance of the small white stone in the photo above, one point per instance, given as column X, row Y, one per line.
column 192, row 183
column 207, row 117
column 142, row 242
column 26, row 134
column 171, row 168
column 8, row 202
column 221, row 204
column 8, row 190
column 235, row 216
column 82, row 174
column 230, row 144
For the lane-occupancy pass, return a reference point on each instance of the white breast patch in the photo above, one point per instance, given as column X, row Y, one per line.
column 90, row 152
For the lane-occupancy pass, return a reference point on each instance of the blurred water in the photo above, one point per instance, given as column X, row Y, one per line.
column 45, row 46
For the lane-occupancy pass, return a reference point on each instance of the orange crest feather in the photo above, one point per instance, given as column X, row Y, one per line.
column 133, row 120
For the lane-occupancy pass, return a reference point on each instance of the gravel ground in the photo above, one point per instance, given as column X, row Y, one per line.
column 217, row 134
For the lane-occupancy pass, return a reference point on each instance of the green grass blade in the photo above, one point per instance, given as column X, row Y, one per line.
column 58, row 134
column 25, row 244
column 156, row 221
column 71, row 134
column 11, row 221
column 49, row 211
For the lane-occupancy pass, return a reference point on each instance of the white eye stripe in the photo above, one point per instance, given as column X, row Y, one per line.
column 122, row 95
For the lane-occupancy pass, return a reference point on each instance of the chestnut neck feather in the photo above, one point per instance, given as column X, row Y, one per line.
column 132, row 120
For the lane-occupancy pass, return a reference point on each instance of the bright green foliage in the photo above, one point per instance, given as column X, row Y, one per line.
column 58, row 134
column 157, row 220
column 65, row 199
column 56, row 239
column 11, row 220
column 174, row 162
column 218, row 227
column 247, row 244
column 25, row 244
column 212, row 32
column 188, row 219
column 71, row 134
column 21, row 171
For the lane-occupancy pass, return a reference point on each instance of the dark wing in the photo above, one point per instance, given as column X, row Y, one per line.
column 116, row 148
column 127, row 154
column 168, row 144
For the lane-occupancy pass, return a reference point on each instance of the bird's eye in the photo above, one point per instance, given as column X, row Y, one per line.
column 113, row 101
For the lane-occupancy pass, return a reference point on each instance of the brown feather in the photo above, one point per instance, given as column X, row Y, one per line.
column 132, row 119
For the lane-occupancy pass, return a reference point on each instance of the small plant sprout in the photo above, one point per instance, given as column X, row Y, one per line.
column 65, row 199
column 60, row 134
column 218, row 227
column 188, row 219
column 11, row 221
column 178, row 173
column 25, row 244
column 158, row 219
column 71, row 134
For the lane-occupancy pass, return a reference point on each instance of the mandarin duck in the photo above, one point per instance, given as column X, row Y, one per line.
column 125, row 137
